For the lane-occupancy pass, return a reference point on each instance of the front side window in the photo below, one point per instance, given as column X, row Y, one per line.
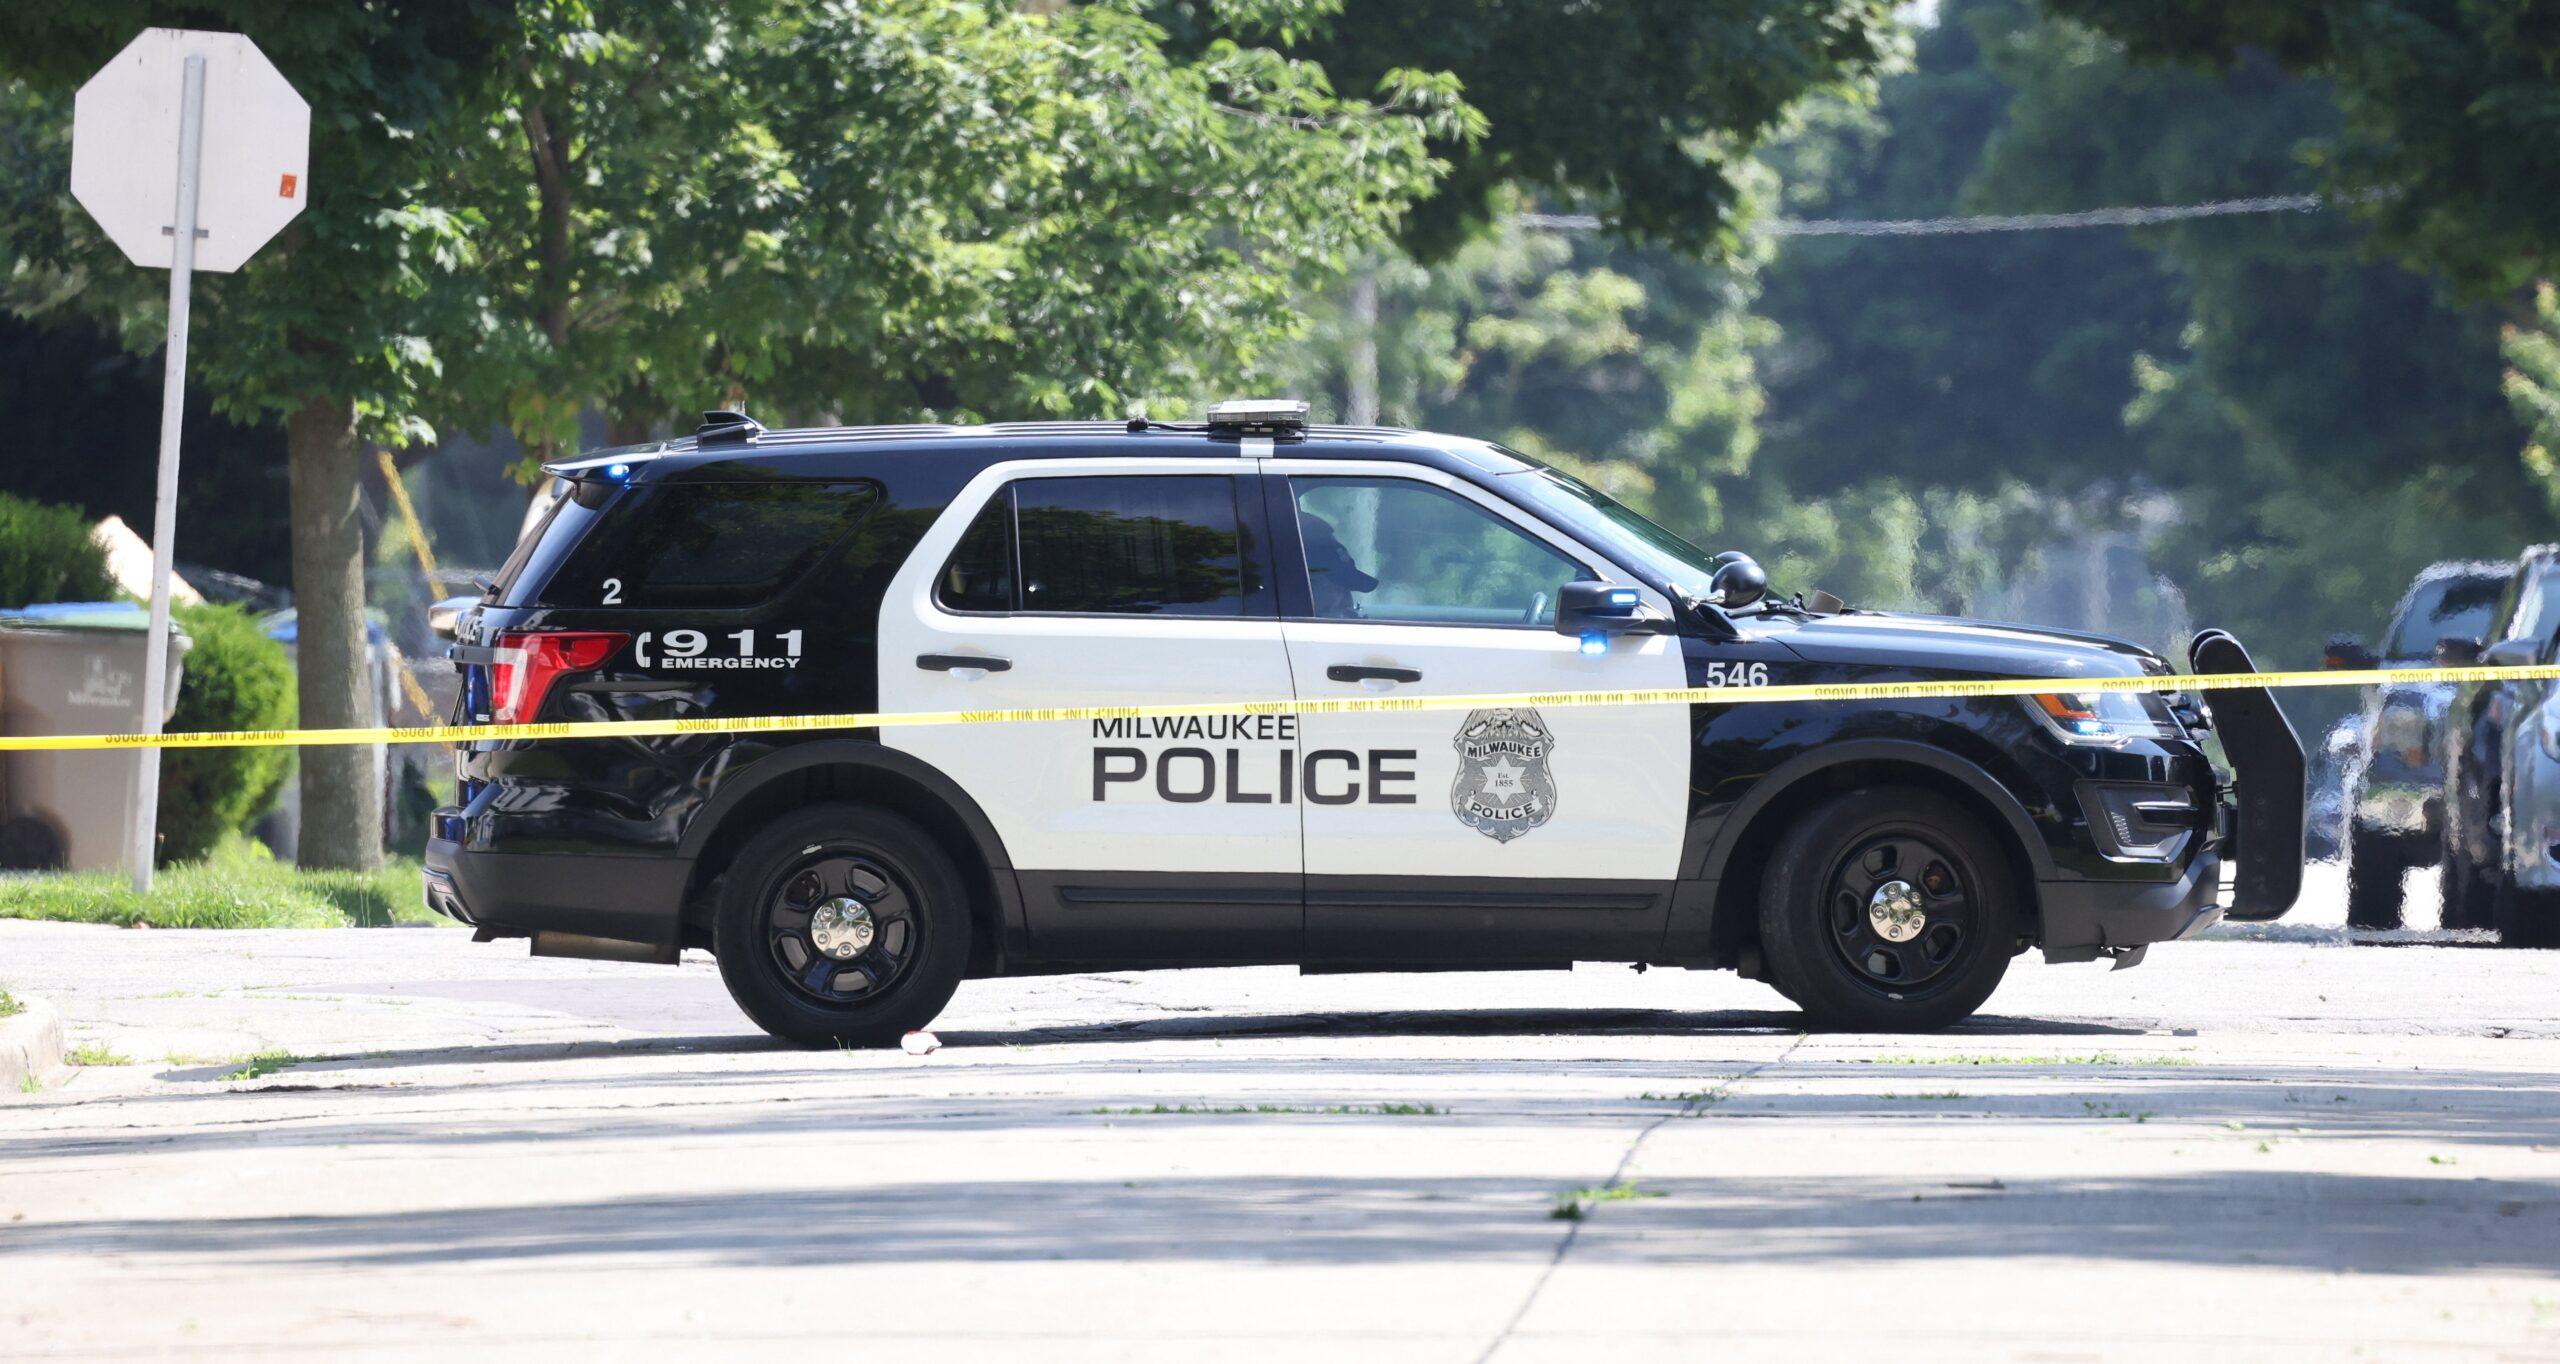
column 1151, row 545
column 694, row 545
column 1392, row 549
column 2538, row 615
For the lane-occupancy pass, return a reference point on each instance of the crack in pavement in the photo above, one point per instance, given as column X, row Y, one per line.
column 1573, row 1232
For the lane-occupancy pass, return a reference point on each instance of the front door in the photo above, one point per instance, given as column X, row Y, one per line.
column 1525, row 834
column 1076, row 583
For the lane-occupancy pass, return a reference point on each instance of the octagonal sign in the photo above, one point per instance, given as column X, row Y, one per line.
column 255, row 171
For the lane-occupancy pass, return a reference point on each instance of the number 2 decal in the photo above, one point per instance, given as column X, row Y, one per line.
column 612, row 592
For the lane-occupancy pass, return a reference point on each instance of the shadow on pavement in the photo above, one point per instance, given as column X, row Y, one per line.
column 2294, row 1218
column 1200, row 1026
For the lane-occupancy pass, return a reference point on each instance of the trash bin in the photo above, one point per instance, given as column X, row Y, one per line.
column 73, row 668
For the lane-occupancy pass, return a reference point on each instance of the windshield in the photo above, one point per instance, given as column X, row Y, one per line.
column 1614, row 526
column 2449, row 608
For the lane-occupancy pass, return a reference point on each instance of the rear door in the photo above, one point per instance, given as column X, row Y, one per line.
column 1528, row 834
column 1111, row 582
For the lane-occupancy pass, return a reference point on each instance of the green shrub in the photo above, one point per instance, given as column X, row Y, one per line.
column 235, row 678
column 46, row 555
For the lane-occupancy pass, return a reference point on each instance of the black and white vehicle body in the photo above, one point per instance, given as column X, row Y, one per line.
column 1878, row 861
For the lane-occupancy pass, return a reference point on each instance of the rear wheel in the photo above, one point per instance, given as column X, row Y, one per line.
column 2526, row 917
column 2374, row 870
column 842, row 924
column 1885, row 910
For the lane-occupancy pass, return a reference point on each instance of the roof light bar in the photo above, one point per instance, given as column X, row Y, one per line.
column 1259, row 416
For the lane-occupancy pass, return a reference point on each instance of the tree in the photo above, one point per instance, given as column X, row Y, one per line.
column 2532, row 384
column 1630, row 366
column 1648, row 111
column 522, row 209
column 2451, row 138
column 933, row 209
column 332, row 328
column 1953, row 361
column 2331, row 422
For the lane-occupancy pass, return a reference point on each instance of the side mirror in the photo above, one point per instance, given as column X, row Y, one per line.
column 2346, row 653
column 2509, row 653
column 1586, row 608
column 445, row 615
column 2453, row 651
column 1739, row 581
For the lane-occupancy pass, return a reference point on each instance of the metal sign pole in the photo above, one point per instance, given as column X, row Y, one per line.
column 164, row 511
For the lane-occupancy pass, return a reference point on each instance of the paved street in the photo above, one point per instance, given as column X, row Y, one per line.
column 2275, row 1145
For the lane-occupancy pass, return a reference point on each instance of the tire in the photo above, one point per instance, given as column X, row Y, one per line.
column 2466, row 892
column 1820, row 934
column 2525, row 917
column 2374, row 870
column 866, row 869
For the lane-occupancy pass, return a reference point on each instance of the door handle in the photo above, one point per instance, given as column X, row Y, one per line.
column 1356, row 672
column 945, row 663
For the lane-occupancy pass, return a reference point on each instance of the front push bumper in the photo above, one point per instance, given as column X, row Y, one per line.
column 2086, row 919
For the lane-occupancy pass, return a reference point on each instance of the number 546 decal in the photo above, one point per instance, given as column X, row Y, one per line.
column 1737, row 674
column 692, row 649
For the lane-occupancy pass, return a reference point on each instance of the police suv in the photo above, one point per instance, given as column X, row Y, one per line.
column 1879, row 862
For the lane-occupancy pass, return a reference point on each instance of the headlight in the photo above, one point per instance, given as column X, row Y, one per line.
column 2402, row 729
column 2104, row 717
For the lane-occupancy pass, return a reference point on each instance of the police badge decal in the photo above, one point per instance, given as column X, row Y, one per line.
column 1503, row 789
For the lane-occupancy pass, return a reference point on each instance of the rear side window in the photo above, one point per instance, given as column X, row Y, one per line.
column 1141, row 545
column 693, row 545
column 980, row 574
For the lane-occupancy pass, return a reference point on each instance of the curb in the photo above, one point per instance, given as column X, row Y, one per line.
column 30, row 1044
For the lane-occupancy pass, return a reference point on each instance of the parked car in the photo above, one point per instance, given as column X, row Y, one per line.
column 2475, row 738
column 2524, row 899
column 2395, row 789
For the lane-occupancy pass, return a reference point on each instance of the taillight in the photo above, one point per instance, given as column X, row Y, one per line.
column 529, row 661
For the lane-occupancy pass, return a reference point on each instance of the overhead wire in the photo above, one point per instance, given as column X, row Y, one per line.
column 1964, row 224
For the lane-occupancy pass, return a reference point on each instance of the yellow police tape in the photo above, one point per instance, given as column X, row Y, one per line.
column 1350, row 705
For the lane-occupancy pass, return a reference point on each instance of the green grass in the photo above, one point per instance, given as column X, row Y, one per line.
column 29, row 1084
column 263, row 1064
column 9, row 1004
column 1575, row 1204
column 96, row 1054
column 1336, row 1110
column 241, row 885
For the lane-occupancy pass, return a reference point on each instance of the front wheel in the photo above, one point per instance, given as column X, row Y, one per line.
column 842, row 924
column 2466, row 892
column 1886, row 910
column 2374, row 869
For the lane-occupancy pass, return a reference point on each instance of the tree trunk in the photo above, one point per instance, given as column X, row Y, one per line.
column 1362, row 409
column 341, row 790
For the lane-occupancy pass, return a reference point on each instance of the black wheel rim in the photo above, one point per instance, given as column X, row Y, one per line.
column 1902, row 910
column 823, row 876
